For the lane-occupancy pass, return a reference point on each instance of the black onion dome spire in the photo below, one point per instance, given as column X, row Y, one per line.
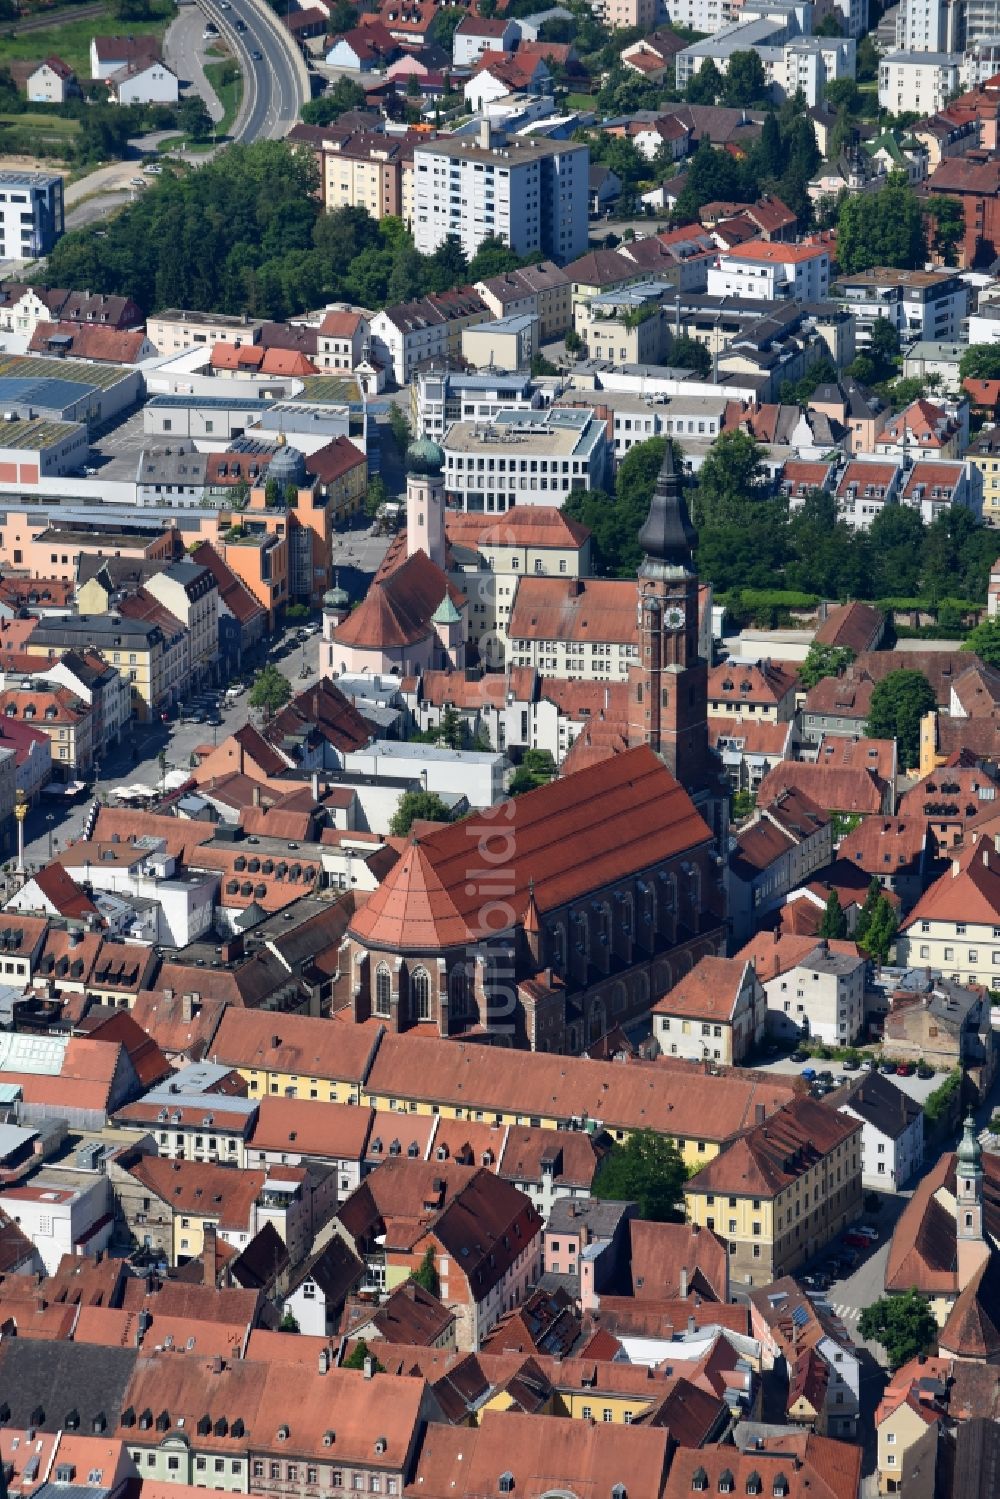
column 668, row 538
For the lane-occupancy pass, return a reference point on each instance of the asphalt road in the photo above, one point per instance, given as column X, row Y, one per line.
column 273, row 92
column 184, row 48
column 64, row 823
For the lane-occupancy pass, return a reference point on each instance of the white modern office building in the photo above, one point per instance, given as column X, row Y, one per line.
column 524, row 458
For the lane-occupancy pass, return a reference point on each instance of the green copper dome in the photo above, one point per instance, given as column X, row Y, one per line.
column 970, row 1152
column 335, row 598
column 424, row 457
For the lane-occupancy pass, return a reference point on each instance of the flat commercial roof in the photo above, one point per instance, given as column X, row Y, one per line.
column 212, row 403
column 74, row 371
column 204, row 319
column 55, row 395
column 36, row 432
column 561, row 431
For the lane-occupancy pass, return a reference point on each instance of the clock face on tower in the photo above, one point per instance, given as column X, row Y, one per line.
column 673, row 618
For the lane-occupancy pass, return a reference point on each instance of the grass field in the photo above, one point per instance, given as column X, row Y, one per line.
column 230, row 94
column 44, row 124
column 69, row 38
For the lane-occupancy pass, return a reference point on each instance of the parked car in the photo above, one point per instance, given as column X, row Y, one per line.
column 866, row 1232
column 850, row 1064
column 798, row 1055
column 256, row 56
column 826, row 1076
column 856, row 1241
column 905, row 1069
column 809, row 1073
column 817, row 1281
column 923, row 1071
column 213, row 720
column 870, row 1064
column 889, row 1068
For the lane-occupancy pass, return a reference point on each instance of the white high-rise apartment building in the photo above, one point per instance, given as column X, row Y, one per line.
column 530, row 193
column 31, row 213
column 933, row 25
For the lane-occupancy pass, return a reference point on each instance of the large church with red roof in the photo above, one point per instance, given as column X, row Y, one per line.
column 554, row 918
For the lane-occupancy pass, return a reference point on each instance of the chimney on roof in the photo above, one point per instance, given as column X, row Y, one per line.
column 684, row 1283
column 315, row 785
column 575, row 587
column 324, row 1360
column 208, row 1256
column 759, row 1113
column 217, row 1364
column 256, row 796
column 692, row 1324
column 369, row 1368
column 187, row 1009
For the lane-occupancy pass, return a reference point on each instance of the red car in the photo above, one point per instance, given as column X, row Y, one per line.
column 905, row 1069
column 857, row 1241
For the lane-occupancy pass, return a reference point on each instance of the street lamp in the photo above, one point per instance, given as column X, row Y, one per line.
column 50, row 819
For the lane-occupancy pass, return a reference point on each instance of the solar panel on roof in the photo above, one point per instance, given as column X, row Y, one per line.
column 799, row 1316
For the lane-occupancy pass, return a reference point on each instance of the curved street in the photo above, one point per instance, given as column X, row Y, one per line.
column 274, row 82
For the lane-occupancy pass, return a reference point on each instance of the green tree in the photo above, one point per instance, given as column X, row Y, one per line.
column 573, row 342
column 289, row 1323
column 493, row 257
column 980, row 362
column 824, row 661
column 904, row 1325
column 882, row 228
column 271, row 690
column 417, row 806
column 949, row 225
column 880, row 931
column 400, row 427
column 426, row 1274
column 834, row 923
column 898, row 704
column 883, row 343
column 344, row 95
column 356, row 1359
column 647, row 1169
column 193, row 117
column 688, row 354
column 451, row 730
column 376, row 495
column 706, row 85
column 867, row 60
column 537, row 768
column 843, row 93
column 985, row 641
column 745, row 82
column 730, row 479
column 542, row 366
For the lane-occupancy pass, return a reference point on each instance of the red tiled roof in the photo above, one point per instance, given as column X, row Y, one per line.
column 968, row 892
column 834, row 789
column 854, row 625
column 571, row 836
column 397, row 608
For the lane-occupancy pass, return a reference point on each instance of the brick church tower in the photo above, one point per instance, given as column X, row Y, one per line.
column 668, row 689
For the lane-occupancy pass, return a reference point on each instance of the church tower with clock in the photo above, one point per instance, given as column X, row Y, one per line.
column 668, row 688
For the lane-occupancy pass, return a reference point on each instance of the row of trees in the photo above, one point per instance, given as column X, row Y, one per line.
column 748, row 540
column 246, row 233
